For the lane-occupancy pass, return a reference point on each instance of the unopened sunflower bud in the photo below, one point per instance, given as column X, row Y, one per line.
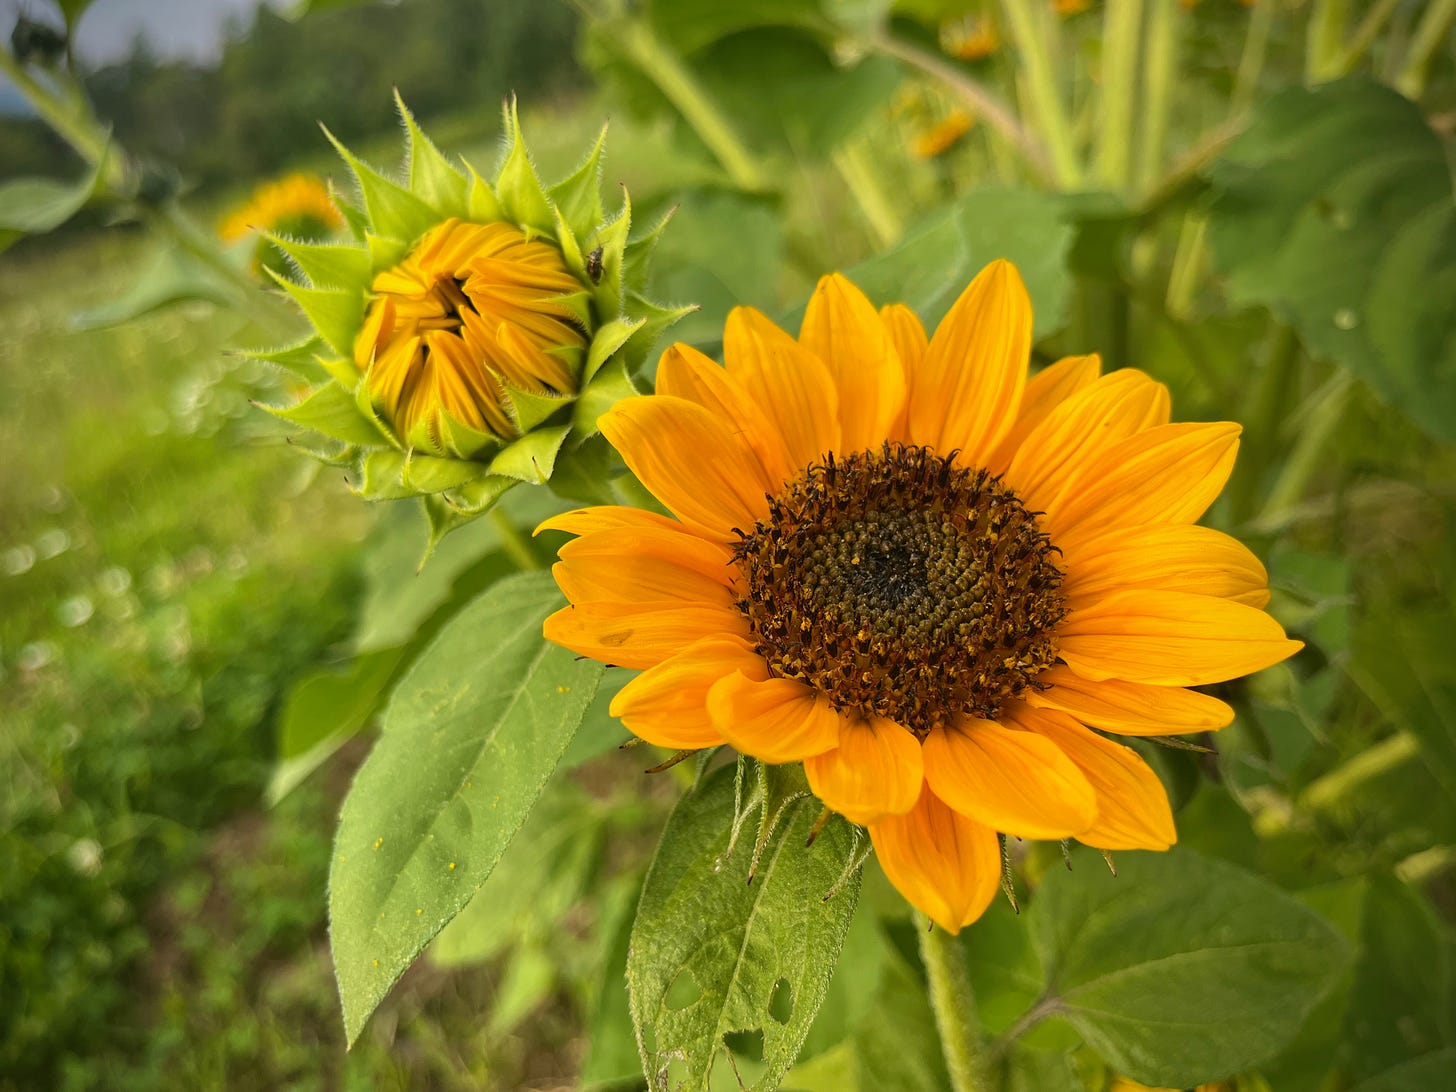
column 473, row 332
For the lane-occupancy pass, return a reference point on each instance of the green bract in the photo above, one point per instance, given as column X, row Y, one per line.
column 464, row 471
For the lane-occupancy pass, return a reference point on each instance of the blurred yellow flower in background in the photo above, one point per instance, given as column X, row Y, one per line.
column 970, row 38
column 297, row 206
column 943, row 135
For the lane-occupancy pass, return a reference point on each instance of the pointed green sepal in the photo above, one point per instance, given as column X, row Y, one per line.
column 612, row 239
column 393, row 211
column 318, row 447
column 331, row 410
column 431, row 474
column 431, row 177
column 353, row 215
column 483, row 206
column 609, row 338
column 517, row 186
column 336, row 315
column 464, row 442
column 529, row 408
column 384, row 253
column 608, row 387
column 476, row 496
column 637, row 256
column 656, row 319
column 300, row 358
column 570, row 249
column 326, row 265
column 578, row 196
column 532, row 457
column 579, row 304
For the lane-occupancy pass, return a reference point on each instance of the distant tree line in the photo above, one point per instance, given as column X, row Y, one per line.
column 259, row 106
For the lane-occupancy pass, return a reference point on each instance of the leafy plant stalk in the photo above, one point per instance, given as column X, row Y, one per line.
column 1325, row 40
column 1326, row 408
column 515, row 544
column 71, row 118
column 1430, row 32
column 1121, row 26
column 1366, row 33
column 1046, row 100
column 652, row 56
column 1251, row 60
column 954, row 1006
column 1158, row 85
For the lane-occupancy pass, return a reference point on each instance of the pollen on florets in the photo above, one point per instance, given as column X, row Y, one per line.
column 902, row 586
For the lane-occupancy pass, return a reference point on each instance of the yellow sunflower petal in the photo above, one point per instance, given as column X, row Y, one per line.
column 1170, row 639
column 966, row 392
column 604, row 570
column 1128, row 708
column 1046, row 390
column 672, row 546
column 1168, row 474
column 1105, row 412
column 946, row 865
column 790, row 385
column 668, row 704
column 775, row 720
column 1169, row 557
column 1015, row 782
column 842, row 329
column 1132, row 805
column 875, row 771
column 692, row 462
column 906, row 333
column 607, row 517
column 640, row 635
column 684, row 372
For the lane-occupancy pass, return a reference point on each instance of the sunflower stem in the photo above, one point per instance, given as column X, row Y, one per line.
column 1159, row 86
column 1325, row 40
column 515, row 544
column 1430, row 33
column 1251, row 60
column 1121, row 27
column 656, row 60
column 1042, row 90
column 955, row 1008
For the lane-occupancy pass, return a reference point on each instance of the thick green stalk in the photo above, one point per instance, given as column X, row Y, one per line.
column 1365, row 34
column 858, row 172
column 1324, row 44
column 1251, row 61
column 1121, row 26
column 516, row 545
column 954, row 1006
column 1159, row 81
column 656, row 60
column 1430, row 32
column 987, row 106
column 70, row 117
column 1028, row 22
column 1326, row 408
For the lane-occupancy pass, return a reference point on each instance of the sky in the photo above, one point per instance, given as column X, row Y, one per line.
column 192, row 29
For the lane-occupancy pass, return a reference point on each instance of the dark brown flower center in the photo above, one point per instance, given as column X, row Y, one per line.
column 902, row 586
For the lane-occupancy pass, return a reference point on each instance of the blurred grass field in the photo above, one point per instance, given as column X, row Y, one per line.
column 167, row 569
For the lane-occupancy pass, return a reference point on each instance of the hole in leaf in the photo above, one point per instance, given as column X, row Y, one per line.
column 781, row 1002
column 745, row 1044
column 683, row 991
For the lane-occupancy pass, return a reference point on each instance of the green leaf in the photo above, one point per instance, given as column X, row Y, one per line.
column 692, row 24
column 1179, row 969
column 73, row 10
column 938, row 258
column 1418, row 1075
column 327, row 265
column 470, row 737
column 1289, row 194
column 323, row 711
column 332, row 411
column 1041, row 1071
column 172, row 276
column 713, row 955
column 34, row 206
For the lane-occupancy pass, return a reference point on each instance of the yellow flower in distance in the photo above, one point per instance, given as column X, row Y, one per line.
column 940, row 585
column 970, row 39
column 943, row 135
column 1065, row 8
column 297, row 204
column 1127, row 1084
column 473, row 309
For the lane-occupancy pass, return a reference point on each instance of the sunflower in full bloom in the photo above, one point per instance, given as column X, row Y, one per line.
column 297, row 206
column 942, row 587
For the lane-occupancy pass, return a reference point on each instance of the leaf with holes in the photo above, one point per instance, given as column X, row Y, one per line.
column 470, row 736
column 1179, row 969
column 716, row 960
